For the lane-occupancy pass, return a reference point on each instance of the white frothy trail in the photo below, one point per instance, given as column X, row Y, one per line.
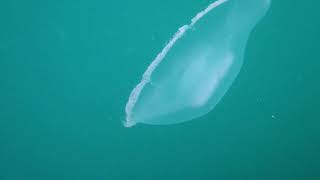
column 135, row 93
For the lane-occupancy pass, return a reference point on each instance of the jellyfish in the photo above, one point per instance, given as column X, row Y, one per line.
column 197, row 66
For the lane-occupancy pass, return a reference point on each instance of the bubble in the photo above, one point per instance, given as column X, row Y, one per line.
column 197, row 66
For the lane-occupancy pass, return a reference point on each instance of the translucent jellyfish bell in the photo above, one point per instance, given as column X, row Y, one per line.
column 198, row 65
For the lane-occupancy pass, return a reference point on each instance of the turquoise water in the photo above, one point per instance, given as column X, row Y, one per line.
column 66, row 69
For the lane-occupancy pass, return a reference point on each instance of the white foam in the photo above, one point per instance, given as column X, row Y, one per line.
column 135, row 93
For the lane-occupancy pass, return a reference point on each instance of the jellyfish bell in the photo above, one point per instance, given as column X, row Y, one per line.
column 198, row 65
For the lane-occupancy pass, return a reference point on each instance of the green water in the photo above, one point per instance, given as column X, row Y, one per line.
column 67, row 68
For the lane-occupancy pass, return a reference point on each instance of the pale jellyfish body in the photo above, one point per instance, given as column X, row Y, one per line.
column 198, row 65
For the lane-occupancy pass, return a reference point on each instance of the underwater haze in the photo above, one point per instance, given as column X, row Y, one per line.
column 68, row 67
